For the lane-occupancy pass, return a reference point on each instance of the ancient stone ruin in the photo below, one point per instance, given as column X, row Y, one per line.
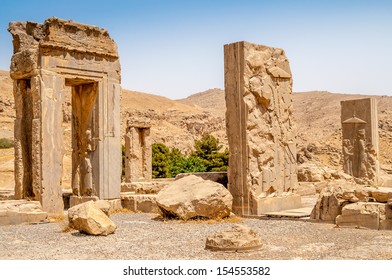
column 360, row 139
column 260, row 128
column 48, row 59
column 138, row 153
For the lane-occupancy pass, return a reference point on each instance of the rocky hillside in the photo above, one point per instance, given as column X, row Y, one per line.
column 317, row 114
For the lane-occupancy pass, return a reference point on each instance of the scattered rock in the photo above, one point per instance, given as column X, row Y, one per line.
column 88, row 218
column 237, row 238
column 371, row 215
column 192, row 197
column 332, row 199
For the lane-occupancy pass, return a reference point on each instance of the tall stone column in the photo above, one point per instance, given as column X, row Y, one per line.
column 259, row 123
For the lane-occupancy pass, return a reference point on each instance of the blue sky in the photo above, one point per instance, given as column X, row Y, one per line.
column 175, row 48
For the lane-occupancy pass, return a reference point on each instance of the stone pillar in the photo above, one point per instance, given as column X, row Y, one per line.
column 138, row 153
column 259, row 124
column 360, row 139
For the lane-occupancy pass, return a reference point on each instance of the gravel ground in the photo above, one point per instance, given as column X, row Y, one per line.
column 144, row 236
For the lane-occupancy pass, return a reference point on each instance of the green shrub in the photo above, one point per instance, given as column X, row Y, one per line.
column 6, row 143
column 167, row 163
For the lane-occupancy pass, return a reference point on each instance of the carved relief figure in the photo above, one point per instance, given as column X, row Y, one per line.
column 348, row 156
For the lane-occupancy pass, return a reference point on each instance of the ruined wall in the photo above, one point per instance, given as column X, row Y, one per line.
column 259, row 123
column 48, row 58
column 360, row 139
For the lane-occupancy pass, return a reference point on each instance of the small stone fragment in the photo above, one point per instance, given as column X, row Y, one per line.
column 237, row 238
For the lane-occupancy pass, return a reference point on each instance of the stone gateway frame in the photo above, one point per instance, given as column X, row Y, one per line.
column 47, row 59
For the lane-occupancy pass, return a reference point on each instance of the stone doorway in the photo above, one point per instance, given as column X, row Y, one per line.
column 48, row 60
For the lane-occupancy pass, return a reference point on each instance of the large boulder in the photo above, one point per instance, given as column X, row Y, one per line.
column 88, row 218
column 192, row 197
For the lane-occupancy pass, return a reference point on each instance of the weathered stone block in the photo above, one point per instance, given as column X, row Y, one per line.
column 362, row 215
column 13, row 212
column 145, row 203
column 279, row 203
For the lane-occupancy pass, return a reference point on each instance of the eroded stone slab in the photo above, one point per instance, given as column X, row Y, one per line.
column 371, row 215
column 13, row 212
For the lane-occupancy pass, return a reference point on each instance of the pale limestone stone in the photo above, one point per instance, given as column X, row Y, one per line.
column 360, row 139
column 103, row 205
column 236, row 238
column 145, row 203
column 88, row 218
column 259, row 122
column 48, row 58
column 219, row 177
column 278, row 203
column 138, row 152
column 151, row 187
column 192, row 197
column 13, row 212
column 354, row 206
column 363, row 215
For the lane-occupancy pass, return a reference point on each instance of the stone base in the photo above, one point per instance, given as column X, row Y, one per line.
column 75, row 200
column 139, row 202
column 13, row 212
column 370, row 215
column 7, row 194
column 278, row 203
column 115, row 204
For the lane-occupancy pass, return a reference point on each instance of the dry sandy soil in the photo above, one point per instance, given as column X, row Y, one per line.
column 144, row 236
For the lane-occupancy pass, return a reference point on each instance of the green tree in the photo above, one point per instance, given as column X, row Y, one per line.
column 160, row 160
column 176, row 162
column 208, row 149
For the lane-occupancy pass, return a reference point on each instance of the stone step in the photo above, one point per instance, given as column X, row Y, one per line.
column 291, row 213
